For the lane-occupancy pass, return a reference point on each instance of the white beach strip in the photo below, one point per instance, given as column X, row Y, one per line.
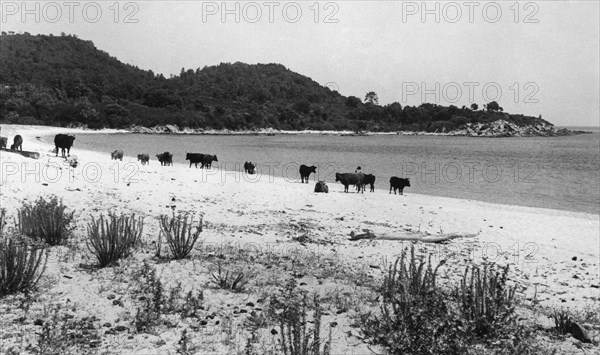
column 539, row 244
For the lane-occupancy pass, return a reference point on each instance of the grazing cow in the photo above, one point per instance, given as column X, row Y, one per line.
column 370, row 179
column 3, row 142
column 351, row 179
column 64, row 141
column 17, row 143
column 165, row 158
column 321, row 186
column 194, row 158
column 117, row 154
column 249, row 168
column 144, row 158
column 398, row 184
column 305, row 172
column 207, row 160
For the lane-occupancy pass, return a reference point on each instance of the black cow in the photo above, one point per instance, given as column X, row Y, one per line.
column 398, row 184
column 117, row 154
column 17, row 143
column 249, row 168
column 321, row 186
column 194, row 158
column 207, row 160
column 64, row 141
column 370, row 179
column 305, row 172
column 144, row 158
column 351, row 179
column 3, row 142
column 165, row 158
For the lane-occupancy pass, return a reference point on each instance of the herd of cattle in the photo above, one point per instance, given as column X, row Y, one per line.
column 17, row 143
column 358, row 179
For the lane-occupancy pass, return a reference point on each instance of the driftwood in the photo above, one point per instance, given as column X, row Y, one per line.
column 416, row 237
column 34, row 155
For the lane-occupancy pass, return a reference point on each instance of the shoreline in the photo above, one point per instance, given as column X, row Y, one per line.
column 552, row 254
column 36, row 132
column 173, row 130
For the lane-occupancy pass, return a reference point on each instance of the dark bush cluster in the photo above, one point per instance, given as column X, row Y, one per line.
column 417, row 316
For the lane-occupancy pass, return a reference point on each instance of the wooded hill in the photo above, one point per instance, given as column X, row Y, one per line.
column 63, row 80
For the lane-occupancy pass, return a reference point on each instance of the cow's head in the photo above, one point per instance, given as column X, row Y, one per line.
column 313, row 169
column 337, row 176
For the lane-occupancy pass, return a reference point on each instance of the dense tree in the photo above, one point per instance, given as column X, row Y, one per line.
column 494, row 106
column 474, row 107
column 352, row 101
column 371, row 98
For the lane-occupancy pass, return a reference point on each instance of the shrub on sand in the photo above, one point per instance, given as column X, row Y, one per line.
column 45, row 220
column 114, row 237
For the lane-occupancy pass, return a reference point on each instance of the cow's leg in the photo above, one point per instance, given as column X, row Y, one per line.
column 401, row 191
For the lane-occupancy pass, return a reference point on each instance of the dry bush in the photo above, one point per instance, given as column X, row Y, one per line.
column 181, row 233
column 114, row 237
column 46, row 221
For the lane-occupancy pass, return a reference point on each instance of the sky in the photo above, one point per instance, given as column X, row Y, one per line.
column 532, row 57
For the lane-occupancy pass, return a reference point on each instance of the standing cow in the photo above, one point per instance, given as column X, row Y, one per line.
column 398, row 184
column 370, row 179
column 3, row 142
column 207, row 160
column 249, row 168
column 305, row 172
column 348, row 179
column 17, row 143
column 194, row 158
column 117, row 154
column 165, row 158
column 144, row 158
column 64, row 141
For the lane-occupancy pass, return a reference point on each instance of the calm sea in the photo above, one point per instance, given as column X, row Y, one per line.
column 560, row 172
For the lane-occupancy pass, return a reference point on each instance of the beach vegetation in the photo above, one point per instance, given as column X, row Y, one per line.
column 229, row 280
column 180, row 232
column 22, row 261
column 45, row 220
column 298, row 318
column 418, row 316
column 113, row 237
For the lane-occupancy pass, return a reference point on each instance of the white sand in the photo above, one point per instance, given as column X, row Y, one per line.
column 539, row 244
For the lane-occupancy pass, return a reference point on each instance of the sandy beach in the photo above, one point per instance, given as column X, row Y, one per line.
column 553, row 255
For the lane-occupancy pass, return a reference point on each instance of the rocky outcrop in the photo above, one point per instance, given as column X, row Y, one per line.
column 502, row 128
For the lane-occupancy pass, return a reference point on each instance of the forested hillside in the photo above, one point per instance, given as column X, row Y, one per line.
column 63, row 80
